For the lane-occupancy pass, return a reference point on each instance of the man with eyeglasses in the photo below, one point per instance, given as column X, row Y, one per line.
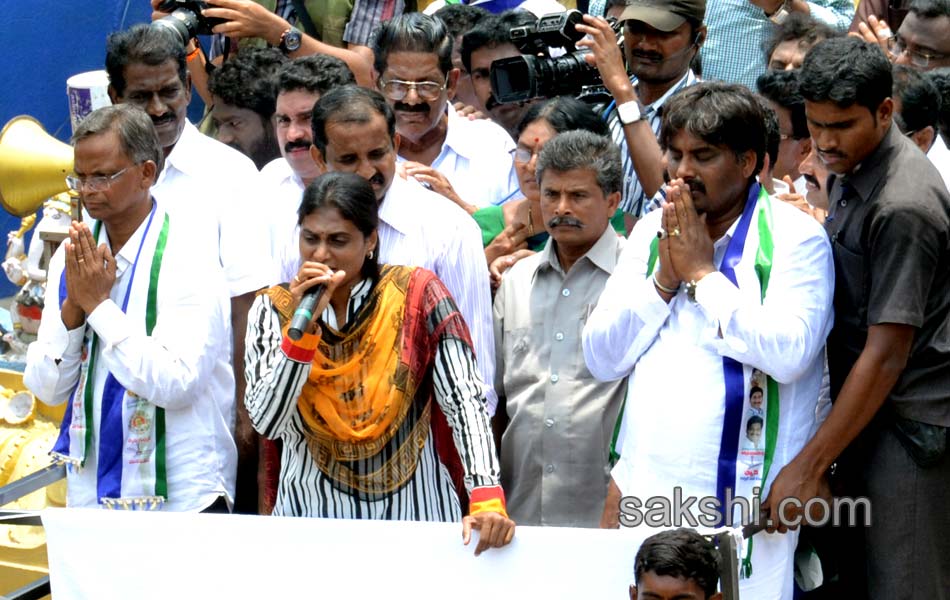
column 780, row 90
column 917, row 105
column 888, row 357
column 467, row 161
column 135, row 336
column 922, row 40
column 202, row 180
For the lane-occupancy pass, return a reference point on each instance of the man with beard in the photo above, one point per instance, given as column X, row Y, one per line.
column 481, row 46
column 661, row 37
column 300, row 83
column 719, row 283
column 354, row 130
column 202, row 180
column 469, row 162
column 243, row 92
column 888, row 353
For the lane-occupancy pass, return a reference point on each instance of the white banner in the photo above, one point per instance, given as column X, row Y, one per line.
column 121, row 555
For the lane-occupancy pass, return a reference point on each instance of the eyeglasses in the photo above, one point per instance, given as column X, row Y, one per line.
column 896, row 46
column 96, row 183
column 523, row 155
column 396, row 89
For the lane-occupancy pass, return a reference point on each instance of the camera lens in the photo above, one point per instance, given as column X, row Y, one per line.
column 183, row 23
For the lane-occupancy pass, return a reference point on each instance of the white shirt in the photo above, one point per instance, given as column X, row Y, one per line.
column 477, row 159
column 672, row 422
column 939, row 155
column 283, row 189
column 183, row 367
column 208, row 180
column 419, row 228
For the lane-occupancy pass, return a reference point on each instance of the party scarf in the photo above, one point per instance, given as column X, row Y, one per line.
column 131, row 469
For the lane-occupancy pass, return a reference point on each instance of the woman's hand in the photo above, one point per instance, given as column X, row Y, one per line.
column 309, row 275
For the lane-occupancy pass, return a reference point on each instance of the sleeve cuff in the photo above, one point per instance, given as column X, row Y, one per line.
column 487, row 499
column 109, row 323
column 303, row 350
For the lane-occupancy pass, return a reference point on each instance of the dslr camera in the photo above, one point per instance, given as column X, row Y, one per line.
column 186, row 20
column 535, row 74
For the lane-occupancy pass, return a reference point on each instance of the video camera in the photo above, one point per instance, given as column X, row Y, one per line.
column 536, row 74
column 186, row 20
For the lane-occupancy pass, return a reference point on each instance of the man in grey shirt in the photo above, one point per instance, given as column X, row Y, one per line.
column 559, row 419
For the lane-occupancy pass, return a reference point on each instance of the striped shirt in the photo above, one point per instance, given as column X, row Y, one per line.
column 633, row 195
column 274, row 383
column 738, row 30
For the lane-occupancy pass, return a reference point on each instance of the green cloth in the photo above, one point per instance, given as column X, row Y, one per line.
column 491, row 220
column 328, row 16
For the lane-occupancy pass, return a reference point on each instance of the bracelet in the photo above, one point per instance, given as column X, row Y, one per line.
column 194, row 53
column 662, row 287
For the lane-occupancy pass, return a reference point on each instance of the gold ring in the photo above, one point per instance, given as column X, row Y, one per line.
column 675, row 232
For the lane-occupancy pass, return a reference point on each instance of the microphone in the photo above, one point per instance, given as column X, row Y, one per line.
column 304, row 311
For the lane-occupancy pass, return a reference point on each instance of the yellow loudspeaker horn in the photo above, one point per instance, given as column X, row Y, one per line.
column 33, row 165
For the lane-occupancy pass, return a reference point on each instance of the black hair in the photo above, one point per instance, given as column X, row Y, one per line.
column 348, row 104
column 493, row 32
column 350, row 194
column 152, row 46
column 781, row 87
column 460, row 18
column 565, row 113
column 413, row 32
column 801, row 28
column 920, row 100
column 930, row 9
column 773, row 133
column 581, row 149
column 941, row 80
column 846, row 71
column 249, row 80
column 721, row 114
column 680, row 553
column 318, row 74
column 755, row 389
column 754, row 420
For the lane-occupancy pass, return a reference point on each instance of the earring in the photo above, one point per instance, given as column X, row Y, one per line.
column 370, row 255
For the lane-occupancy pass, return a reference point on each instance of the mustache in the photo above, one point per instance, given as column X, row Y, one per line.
column 649, row 56
column 696, row 185
column 377, row 179
column 291, row 146
column 163, row 119
column 565, row 220
column 812, row 180
column 415, row 108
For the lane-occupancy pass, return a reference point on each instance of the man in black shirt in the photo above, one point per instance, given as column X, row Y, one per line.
column 889, row 352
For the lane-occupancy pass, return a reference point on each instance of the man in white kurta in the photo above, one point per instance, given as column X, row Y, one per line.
column 671, row 337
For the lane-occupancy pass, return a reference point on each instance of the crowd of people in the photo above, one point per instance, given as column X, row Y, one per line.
column 370, row 290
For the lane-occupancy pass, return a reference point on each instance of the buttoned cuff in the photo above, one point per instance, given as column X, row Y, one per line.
column 64, row 342
column 719, row 299
column 487, row 499
column 302, row 350
column 109, row 323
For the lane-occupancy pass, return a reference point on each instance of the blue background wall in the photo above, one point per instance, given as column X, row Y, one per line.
column 43, row 43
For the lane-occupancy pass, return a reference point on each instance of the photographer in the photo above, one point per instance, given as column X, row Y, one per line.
column 251, row 23
column 660, row 40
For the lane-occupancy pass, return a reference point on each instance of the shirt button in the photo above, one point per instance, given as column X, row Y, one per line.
column 843, row 203
column 554, row 378
column 565, row 292
column 550, row 468
column 559, row 336
column 549, row 422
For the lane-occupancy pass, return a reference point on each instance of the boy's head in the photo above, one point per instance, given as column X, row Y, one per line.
column 753, row 429
column 678, row 564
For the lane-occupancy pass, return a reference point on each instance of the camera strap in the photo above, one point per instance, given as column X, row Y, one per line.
column 303, row 17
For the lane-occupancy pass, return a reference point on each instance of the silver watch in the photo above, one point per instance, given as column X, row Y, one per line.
column 629, row 112
column 779, row 16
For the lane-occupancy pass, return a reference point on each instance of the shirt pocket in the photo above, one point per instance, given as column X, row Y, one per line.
column 851, row 293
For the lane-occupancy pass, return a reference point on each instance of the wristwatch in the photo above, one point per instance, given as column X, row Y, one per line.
column 629, row 112
column 290, row 40
column 779, row 16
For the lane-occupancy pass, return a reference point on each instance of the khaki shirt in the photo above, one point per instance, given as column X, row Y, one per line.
column 554, row 451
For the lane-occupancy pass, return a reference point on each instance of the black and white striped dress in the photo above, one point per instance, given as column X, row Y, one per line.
column 274, row 383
